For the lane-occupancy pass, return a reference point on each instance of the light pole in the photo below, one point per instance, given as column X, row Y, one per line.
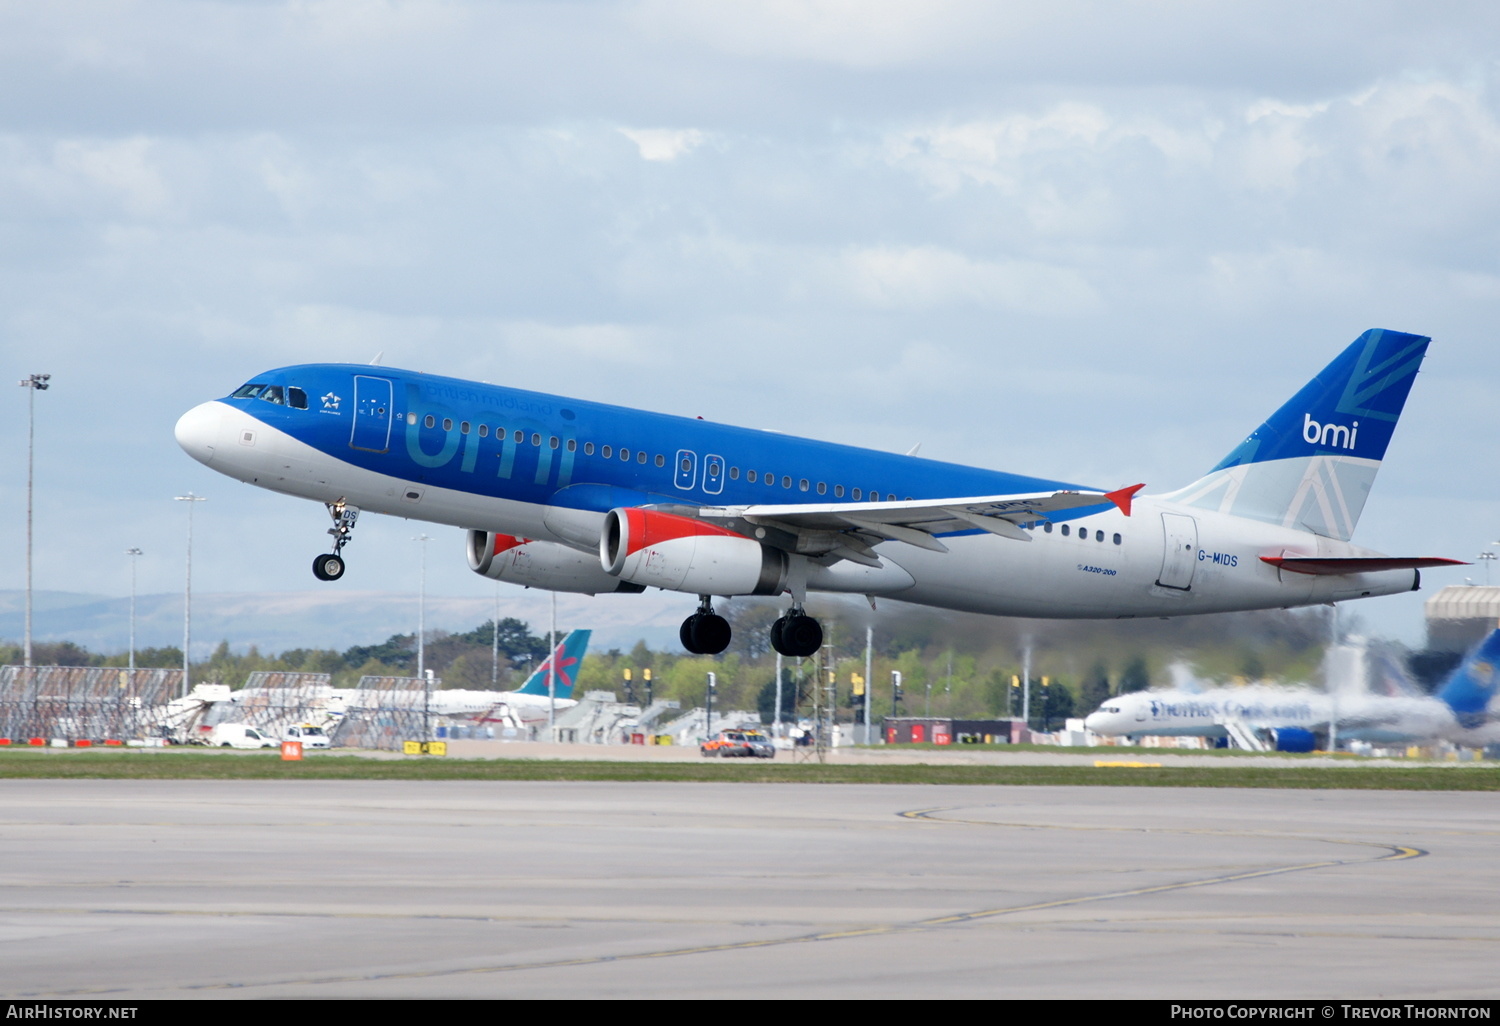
column 552, row 674
column 869, row 655
column 33, row 384
column 1487, row 558
column 495, row 648
column 187, row 592
column 132, row 553
column 422, row 610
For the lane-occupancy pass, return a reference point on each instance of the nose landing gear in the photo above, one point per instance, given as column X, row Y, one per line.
column 705, row 632
column 330, row 565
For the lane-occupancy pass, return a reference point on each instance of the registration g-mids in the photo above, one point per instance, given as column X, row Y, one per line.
column 577, row 496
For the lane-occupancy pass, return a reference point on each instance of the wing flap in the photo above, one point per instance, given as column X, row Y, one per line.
column 1326, row 566
column 846, row 530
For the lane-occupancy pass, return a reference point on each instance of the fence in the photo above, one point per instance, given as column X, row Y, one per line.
column 273, row 700
column 385, row 711
column 95, row 703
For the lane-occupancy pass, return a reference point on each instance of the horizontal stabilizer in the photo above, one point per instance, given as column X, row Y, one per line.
column 1323, row 566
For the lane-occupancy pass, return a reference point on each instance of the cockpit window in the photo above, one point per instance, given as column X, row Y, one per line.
column 272, row 394
column 248, row 391
column 296, row 398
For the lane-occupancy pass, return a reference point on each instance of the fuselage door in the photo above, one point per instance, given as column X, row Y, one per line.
column 713, row 474
column 1179, row 546
column 372, row 414
column 686, row 474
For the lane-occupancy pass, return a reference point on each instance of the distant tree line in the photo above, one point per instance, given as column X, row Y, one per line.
column 952, row 664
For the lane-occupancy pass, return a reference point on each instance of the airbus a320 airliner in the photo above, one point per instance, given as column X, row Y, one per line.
column 577, row 496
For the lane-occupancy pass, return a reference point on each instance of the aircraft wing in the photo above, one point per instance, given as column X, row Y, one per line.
column 848, row 530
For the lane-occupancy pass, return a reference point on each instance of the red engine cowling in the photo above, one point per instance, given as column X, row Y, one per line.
column 662, row 550
column 540, row 564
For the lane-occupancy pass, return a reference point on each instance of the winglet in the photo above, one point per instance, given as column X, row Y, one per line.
column 1121, row 496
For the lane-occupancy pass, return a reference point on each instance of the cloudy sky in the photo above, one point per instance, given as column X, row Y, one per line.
column 1098, row 242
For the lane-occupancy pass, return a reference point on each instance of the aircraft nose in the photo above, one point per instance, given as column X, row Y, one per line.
column 198, row 431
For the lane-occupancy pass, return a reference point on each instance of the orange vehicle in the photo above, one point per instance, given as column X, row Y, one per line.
column 746, row 743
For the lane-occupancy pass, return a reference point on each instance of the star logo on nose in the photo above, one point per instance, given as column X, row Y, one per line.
column 330, row 402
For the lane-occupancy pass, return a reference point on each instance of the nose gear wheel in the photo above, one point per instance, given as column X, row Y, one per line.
column 330, row 565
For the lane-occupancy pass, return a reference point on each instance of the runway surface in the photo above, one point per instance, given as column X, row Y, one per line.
column 323, row 889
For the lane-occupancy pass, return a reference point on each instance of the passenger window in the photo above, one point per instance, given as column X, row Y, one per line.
column 1065, row 531
column 1098, row 536
column 1117, row 539
column 838, row 491
column 588, row 448
column 607, row 451
column 625, row 455
column 572, row 445
column 802, row 485
column 411, row 419
column 857, row 495
column 640, row 457
column 536, row 439
column 463, row 428
column 430, row 421
column 786, row 482
column 1047, row 527
column 553, row 442
column 661, row 461
column 296, row 398
column 447, row 423
column 822, row 488
column 484, row 431
column 520, row 436
column 890, row 498
column 734, row 473
column 750, row 476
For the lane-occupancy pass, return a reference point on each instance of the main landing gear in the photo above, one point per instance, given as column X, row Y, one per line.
column 708, row 633
column 796, row 634
column 330, row 565
column 705, row 632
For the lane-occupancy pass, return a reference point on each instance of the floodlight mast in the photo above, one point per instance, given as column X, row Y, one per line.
column 187, row 594
column 132, row 553
column 33, row 384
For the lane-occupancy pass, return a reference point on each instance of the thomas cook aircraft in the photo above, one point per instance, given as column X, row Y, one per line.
column 1460, row 711
column 577, row 496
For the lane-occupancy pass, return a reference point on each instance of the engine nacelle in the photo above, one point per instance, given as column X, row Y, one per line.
column 540, row 564
column 662, row 550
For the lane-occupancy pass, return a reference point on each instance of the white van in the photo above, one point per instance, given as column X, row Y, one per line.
column 310, row 736
column 240, row 735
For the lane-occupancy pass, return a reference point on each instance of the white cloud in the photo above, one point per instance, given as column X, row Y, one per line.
column 922, row 277
column 663, row 144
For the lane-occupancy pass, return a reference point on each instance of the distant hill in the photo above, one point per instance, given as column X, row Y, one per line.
column 277, row 621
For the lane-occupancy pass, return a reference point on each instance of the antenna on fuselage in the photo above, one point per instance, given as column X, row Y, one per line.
column 913, row 450
column 378, row 357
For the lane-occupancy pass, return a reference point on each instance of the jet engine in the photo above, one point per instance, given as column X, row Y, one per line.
column 540, row 564
column 663, row 550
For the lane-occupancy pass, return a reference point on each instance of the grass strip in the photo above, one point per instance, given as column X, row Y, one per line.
column 188, row 765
